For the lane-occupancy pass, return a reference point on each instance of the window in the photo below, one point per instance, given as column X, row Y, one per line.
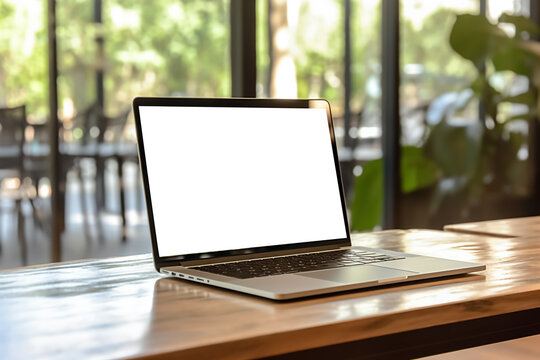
column 23, row 57
column 142, row 48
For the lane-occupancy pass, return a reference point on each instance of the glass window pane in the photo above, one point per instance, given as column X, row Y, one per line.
column 465, row 141
column 365, row 107
column 429, row 66
column 301, row 53
column 166, row 48
column 435, row 113
column 76, row 46
column 494, row 8
column 23, row 57
column 150, row 48
column 305, row 54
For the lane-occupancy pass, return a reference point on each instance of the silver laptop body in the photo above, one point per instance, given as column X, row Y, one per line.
column 235, row 183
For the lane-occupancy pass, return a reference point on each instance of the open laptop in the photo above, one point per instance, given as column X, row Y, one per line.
column 246, row 194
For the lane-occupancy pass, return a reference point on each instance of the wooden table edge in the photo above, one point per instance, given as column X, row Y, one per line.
column 352, row 330
column 451, row 229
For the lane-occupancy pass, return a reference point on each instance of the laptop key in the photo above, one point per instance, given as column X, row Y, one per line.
column 295, row 263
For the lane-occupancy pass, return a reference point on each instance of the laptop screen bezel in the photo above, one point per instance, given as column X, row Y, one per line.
column 163, row 261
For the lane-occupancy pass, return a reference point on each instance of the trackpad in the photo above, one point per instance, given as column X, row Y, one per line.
column 357, row 274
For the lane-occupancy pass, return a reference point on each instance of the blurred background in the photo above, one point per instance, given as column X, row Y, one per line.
column 435, row 105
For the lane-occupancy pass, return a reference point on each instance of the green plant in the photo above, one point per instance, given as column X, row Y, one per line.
column 462, row 157
column 417, row 172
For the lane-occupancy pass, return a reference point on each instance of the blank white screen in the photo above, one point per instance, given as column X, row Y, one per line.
column 232, row 178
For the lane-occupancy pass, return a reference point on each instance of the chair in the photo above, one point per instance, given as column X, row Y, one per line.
column 114, row 147
column 79, row 142
column 98, row 138
column 15, row 187
column 36, row 165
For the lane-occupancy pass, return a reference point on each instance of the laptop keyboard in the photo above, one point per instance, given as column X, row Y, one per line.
column 295, row 263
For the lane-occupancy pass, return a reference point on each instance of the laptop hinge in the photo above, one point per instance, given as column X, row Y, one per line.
column 223, row 259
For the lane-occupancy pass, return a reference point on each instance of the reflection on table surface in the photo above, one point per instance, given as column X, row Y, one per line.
column 515, row 227
column 121, row 307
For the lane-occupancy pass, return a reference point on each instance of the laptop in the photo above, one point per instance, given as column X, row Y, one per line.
column 246, row 194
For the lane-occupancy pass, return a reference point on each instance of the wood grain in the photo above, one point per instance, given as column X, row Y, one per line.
column 122, row 308
column 526, row 226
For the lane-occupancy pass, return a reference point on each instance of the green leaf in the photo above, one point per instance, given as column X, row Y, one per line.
column 478, row 40
column 6, row 10
column 488, row 94
column 455, row 145
column 366, row 207
column 526, row 98
column 509, row 55
column 474, row 37
column 522, row 24
column 417, row 171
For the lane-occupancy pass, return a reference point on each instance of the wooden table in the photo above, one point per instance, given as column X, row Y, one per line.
column 525, row 226
column 121, row 308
